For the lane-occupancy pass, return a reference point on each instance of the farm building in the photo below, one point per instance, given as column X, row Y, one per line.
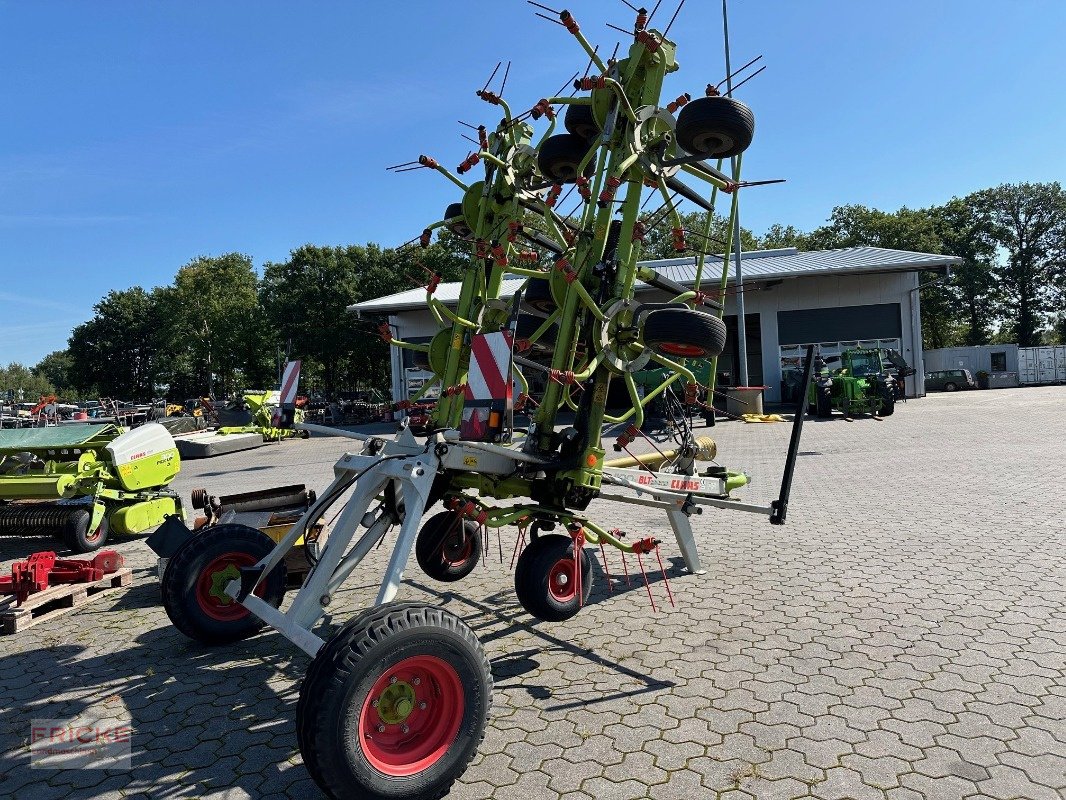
column 859, row 296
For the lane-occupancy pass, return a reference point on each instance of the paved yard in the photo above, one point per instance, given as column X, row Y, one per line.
column 904, row 636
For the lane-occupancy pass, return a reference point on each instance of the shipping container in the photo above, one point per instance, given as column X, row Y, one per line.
column 1042, row 364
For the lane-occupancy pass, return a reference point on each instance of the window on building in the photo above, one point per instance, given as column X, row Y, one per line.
column 999, row 362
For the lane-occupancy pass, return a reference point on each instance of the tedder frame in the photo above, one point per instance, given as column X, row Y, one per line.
column 395, row 703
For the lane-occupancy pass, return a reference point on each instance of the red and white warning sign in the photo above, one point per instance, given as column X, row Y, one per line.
column 290, row 381
column 489, row 393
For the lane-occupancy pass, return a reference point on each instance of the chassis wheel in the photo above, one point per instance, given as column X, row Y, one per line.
column 715, row 127
column 545, row 578
column 78, row 537
column 560, row 156
column 395, row 705
column 448, row 547
column 684, row 333
column 196, row 577
column 888, row 402
column 538, row 295
column 458, row 224
column 580, row 122
column 823, row 402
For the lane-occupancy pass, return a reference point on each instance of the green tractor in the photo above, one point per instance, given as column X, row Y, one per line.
column 859, row 385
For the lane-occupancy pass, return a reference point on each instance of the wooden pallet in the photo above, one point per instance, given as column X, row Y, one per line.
column 56, row 601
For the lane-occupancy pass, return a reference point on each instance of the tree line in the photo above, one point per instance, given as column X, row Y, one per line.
column 219, row 327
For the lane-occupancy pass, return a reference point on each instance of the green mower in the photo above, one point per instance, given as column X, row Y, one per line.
column 80, row 482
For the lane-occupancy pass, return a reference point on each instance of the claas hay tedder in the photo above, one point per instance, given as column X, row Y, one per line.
column 395, row 703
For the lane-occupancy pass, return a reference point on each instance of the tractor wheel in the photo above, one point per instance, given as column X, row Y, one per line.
column 196, row 577
column 78, row 537
column 888, row 402
column 395, row 705
column 823, row 400
column 580, row 122
column 538, row 295
column 560, row 156
column 715, row 127
column 684, row 333
column 448, row 547
column 458, row 224
column 527, row 325
column 545, row 578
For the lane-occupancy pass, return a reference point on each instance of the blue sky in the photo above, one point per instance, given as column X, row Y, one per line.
column 136, row 136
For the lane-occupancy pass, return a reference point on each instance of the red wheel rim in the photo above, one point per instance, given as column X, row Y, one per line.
column 681, row 349
column 562, row 583
column 457, row 546
column 211, row 585
column 92, row 537
column 411, row 716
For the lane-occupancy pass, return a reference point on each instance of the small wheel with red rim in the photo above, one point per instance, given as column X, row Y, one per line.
column 684, row 333
column 196, row 577
column 77, row 535
column 448, row 547
column 394, row 705
column 546, row 578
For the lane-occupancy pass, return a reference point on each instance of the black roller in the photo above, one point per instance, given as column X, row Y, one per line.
column 39, row 519
column 267, row 500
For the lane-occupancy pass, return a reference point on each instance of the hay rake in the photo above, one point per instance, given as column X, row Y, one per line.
column 395, row 703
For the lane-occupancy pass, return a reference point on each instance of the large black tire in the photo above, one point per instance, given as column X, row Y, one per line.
column 560, row 156
column 888, row 403
column 458, row 224
column 538, row 295
column 527, row 325
column 715, row 127
column 544, row 578
column 684, row 333
column 197, row 574
column 448, row 547
column 337, row 719
column 78, row 537
column 951, row 387
column 580, row 122
column 823, row 400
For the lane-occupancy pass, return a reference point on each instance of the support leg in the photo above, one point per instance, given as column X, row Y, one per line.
column 686, row 541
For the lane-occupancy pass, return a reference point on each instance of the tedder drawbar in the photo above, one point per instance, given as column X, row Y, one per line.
column 395, row 703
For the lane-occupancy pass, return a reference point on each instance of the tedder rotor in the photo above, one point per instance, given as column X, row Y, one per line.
column 395, row 703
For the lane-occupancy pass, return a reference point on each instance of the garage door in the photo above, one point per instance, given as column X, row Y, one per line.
column 843, row 323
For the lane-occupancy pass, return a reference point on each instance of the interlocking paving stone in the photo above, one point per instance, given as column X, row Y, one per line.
column 903, row 637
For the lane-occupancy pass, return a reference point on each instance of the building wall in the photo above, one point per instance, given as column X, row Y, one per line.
column 789, row 295
column 974, row 359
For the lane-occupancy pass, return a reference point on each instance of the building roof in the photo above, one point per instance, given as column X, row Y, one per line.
column 758, row 265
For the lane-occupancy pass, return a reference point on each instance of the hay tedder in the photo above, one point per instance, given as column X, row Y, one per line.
column 395, row 703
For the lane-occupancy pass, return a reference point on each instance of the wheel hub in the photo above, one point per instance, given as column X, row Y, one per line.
column 220, row 579
column 396, row 703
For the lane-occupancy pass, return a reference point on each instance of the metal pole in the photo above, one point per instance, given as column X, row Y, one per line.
column 742, row 325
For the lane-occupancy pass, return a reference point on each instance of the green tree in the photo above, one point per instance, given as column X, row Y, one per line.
column 114, row 353
column 212, row 327
column 24, row 385
column 1028, row 223
column 55, row 368
column 964, row 229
